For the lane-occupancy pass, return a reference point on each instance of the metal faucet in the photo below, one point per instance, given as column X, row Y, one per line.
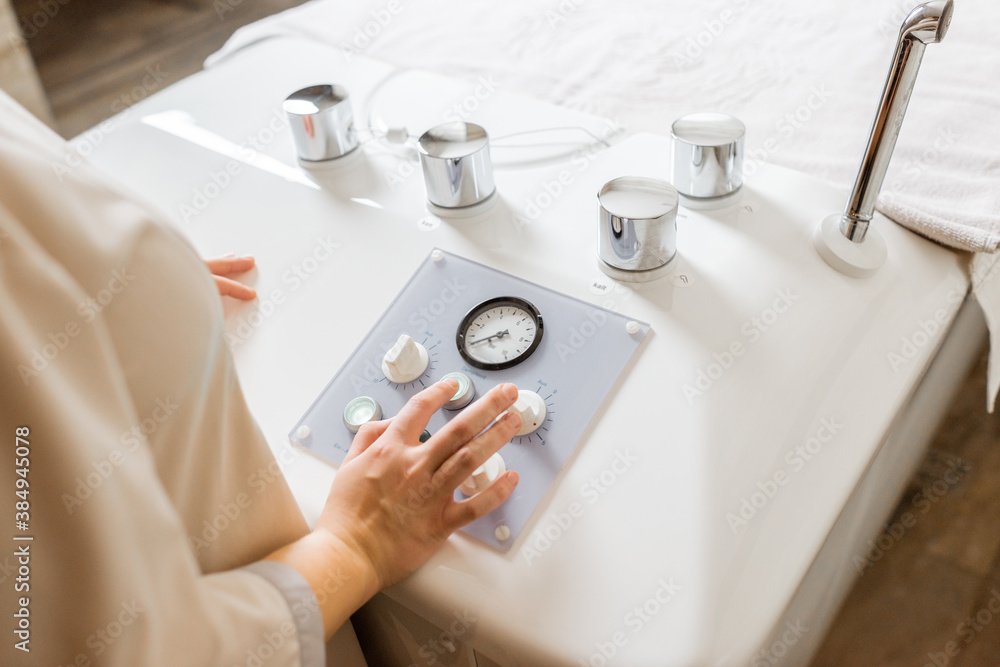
column 926, row 24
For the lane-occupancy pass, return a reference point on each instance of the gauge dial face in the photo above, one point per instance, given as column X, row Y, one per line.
column 499, row 333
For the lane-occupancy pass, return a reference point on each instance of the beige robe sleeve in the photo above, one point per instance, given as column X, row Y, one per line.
column 149, row 482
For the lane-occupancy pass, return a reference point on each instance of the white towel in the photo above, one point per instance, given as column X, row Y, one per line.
column 805, row 77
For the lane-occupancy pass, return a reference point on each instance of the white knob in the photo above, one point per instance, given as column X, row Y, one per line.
column 405, row 361
column 531, row 408
column 484, row 475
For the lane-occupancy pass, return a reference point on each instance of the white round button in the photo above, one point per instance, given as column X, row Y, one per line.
column 464, row 394
column 405, row 361
column 484, row 475
column 360, row 411
column 531, row 408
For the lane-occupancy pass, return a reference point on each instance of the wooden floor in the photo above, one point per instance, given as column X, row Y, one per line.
column 934, row 572
column 98, row 55
column 928, row 591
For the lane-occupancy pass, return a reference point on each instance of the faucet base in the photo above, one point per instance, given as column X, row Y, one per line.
column 857, row 260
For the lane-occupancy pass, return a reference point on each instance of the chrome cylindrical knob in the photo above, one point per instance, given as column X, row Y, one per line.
column 707, row 155
column 322, row 122
column 455, row 159
column 637, row 228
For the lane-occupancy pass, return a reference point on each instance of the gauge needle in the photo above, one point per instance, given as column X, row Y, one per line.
column 501, row 334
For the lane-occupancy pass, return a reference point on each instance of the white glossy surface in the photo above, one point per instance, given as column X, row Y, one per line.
column 762, row 349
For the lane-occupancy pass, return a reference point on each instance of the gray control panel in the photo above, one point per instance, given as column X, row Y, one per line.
column 560, row 351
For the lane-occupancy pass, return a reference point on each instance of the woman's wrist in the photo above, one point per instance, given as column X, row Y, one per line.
column 339, row 573
column 347, row 553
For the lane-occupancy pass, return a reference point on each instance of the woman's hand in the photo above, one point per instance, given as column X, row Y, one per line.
column 392, row 502
column 227, row 266
column 393, row 498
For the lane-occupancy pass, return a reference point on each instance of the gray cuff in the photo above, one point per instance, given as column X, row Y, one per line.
column 302, row 605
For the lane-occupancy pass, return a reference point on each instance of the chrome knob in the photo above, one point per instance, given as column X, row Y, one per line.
column 464, row 394
column 637, row 228
column 707, row 156
column 322, row 122
column 455, row 159
column 360, row 411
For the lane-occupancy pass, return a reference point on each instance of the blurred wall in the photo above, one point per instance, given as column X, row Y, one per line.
column 18, row 76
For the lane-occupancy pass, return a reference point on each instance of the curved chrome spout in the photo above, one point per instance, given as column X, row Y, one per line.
column 926, row 24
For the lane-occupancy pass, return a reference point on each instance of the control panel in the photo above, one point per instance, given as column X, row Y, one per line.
column 457, row 318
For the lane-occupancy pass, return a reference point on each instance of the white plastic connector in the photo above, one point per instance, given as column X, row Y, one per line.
column 396, row 135
column 857, row 260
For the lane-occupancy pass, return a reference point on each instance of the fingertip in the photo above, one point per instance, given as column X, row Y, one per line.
column 241, row 292
column 463, row 512
column 510, row 391
column 374, row 427
column 366, row 436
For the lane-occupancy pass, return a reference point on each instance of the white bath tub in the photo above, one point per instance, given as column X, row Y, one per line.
column 770, row 422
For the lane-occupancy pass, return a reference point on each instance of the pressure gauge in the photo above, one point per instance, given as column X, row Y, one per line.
column 499, row 333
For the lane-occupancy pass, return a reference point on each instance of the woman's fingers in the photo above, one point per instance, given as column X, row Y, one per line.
column 412, row 419
column 366, row 435
column 387, row 500
column 230, row 264
column 228, row 287
column 470, row 423
column 458, row 514
column 466, row 459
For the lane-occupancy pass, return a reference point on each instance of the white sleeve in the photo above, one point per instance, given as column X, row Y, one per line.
column 302, row 602
column 111, row 575
column 111, row 578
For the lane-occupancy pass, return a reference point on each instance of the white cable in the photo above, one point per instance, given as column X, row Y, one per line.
column 400, row 136
column 550, row 129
